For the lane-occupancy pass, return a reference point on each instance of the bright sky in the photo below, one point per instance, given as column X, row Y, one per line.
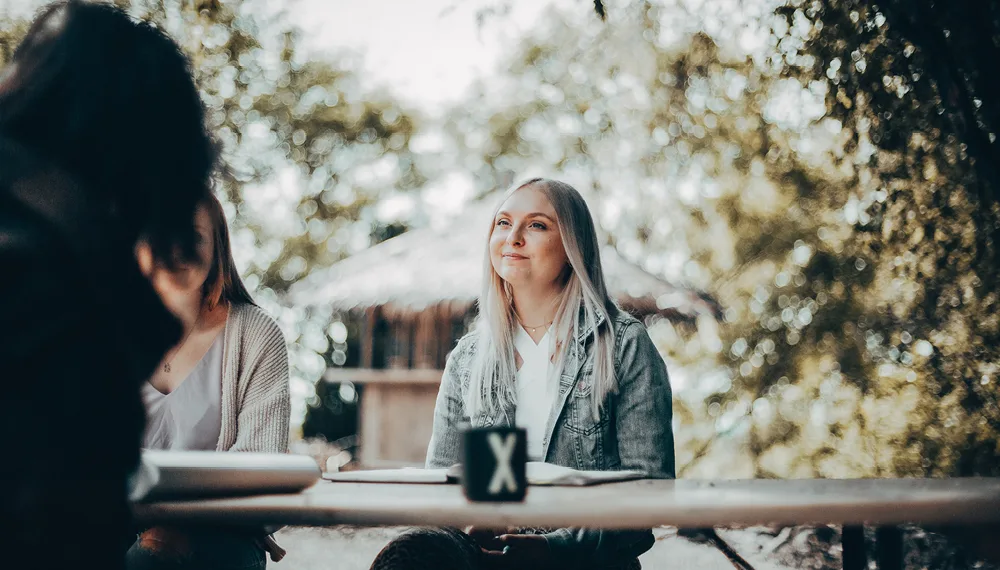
column 427, row 51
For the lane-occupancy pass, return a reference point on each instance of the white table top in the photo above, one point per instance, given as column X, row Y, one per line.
column 633, row 504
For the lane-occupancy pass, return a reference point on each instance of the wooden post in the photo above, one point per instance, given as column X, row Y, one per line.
column 853, row 541
column 408, row 329
column 889, row 546
column 399, row 334
column 370, row 420
column 443, row 334
column 423, row 345
column 368, row 338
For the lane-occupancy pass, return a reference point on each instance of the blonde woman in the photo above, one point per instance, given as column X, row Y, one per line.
column 551, row 352
column 223, row 387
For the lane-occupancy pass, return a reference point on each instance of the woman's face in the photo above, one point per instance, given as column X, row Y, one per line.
column 175, row 287
column 525, row 246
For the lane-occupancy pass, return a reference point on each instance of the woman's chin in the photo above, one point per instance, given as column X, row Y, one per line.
column 514, row 276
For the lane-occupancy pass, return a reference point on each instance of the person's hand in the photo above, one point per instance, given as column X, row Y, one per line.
column 486, row 538
column 520, row 551
column 165, row 541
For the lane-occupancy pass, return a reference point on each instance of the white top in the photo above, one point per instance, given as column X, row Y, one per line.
column 536, row 388
column 190, row 417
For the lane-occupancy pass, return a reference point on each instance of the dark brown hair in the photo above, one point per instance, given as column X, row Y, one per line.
column 112, row 101
column 223, row 283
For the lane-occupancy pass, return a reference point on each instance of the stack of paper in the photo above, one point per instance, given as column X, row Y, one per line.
column 405, row 475
column 538, row 474
column 548, row 474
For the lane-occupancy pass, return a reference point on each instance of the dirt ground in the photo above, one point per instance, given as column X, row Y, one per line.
column 353, row 548
column 764, row 548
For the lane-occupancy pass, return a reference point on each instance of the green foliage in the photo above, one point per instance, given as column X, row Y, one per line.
column 10, row 34
column 914, row 87
column 833, row 209
column 330, row 417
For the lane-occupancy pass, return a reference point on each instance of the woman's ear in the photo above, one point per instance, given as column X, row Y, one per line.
column 144, row 257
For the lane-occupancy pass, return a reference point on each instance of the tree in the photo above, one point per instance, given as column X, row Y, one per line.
column 914, row 86
column 310, row 151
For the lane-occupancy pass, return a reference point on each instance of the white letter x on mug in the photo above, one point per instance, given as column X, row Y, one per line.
column 502, row 449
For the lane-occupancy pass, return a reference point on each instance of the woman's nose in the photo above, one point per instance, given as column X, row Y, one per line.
column 516, row 236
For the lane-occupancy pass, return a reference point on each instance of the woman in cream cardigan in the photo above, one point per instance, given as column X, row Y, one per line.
column 223, row 387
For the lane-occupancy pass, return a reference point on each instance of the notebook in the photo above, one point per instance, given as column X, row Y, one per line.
column 538, row 473
column 198, row 474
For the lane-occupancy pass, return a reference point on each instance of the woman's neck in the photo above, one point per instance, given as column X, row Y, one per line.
column 536, row 307
column 187, row 308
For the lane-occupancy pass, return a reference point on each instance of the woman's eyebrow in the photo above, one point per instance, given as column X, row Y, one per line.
column 531, row 215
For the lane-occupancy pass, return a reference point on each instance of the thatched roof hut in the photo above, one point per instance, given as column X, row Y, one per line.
column 431, row 267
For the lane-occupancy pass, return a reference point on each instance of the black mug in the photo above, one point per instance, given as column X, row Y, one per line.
column 493, row 463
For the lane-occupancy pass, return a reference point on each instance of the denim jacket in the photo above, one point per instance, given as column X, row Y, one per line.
column 633, row 430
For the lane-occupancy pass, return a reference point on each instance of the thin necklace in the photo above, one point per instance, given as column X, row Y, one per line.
column 533, row 329
column 173, row 353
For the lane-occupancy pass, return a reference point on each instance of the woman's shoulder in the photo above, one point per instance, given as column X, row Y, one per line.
column 460, row 357
column 631, row 333
column 254, row 324
column 466, row 345
column 625, row 322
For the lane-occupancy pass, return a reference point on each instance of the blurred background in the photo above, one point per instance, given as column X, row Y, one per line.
column 797, row 197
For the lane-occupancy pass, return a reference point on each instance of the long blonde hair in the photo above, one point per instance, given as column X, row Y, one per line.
column 493, row 371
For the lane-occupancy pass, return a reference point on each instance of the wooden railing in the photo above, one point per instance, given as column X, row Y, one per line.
column 386, row 376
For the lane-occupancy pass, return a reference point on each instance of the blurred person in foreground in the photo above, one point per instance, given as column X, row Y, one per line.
column 223, row 387
column 104, row 157
column 552, row 353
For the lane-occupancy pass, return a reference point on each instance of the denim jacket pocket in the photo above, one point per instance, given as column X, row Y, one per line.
column 580, row 419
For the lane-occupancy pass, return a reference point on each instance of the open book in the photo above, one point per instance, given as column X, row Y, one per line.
column 538, row 473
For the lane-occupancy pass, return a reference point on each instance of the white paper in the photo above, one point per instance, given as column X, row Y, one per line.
column 404, row 475
column 538, row 474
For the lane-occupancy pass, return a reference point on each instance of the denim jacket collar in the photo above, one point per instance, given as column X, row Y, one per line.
column 585, row 328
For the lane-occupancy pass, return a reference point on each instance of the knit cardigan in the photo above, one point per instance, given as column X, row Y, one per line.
column 256, row 403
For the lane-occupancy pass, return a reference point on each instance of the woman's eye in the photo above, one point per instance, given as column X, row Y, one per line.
column 538, row 225
column 503, row 223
